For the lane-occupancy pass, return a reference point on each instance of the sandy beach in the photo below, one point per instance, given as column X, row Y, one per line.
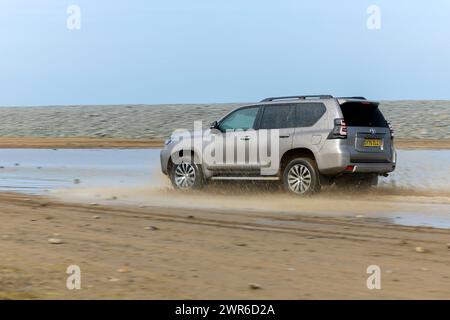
column 163, row 253
column 82, row 186
column 133, row 236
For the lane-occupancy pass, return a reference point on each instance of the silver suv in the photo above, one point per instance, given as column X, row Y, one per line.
column 303, row 141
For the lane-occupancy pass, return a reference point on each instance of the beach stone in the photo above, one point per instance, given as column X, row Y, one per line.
column 95, row 217
column 240, row 244
column 254, row 286
column 151, row 228
column 410, row 119
column 55, row 241
column 420, row 249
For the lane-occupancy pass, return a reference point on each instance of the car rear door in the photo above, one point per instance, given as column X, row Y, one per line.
column 368, row 134
column 276, row 132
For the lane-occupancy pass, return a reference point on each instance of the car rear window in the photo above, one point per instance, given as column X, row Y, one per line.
column 277, row 117
column 291, row 115
column 363, row 115
column 307, row 114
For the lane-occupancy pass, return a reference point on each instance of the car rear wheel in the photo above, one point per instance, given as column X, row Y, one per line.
column 186, row 175
column 301, row 177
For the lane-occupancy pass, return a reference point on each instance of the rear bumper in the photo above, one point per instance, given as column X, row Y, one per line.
column 379, row 168
column 335, row 158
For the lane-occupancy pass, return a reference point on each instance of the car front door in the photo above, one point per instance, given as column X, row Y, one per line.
column 235, row 140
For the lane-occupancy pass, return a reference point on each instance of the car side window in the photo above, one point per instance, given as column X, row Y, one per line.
column 307, row 114
column 242, row 119
column 277, row 117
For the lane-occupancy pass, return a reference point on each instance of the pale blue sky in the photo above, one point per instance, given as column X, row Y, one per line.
column 202, row 51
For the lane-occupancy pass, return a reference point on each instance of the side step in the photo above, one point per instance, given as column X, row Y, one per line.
column 246, row 178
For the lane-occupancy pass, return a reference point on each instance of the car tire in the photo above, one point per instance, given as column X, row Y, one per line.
column 186, row 175
column 301, row 177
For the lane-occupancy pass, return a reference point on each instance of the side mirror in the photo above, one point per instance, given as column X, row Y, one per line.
column 214, row 125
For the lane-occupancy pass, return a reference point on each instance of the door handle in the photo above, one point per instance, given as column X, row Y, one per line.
column 285, row 136
column 245, row 138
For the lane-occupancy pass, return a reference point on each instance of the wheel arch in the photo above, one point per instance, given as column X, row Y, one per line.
column 295, row 153
column 182, row 153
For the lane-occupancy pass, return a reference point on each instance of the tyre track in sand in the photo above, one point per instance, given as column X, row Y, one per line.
column 343, row 228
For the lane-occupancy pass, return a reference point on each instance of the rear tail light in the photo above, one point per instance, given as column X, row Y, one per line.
column 339, row 130
column 391, row 129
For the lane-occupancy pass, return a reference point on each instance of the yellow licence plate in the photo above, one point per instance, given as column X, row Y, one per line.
column 372, row 142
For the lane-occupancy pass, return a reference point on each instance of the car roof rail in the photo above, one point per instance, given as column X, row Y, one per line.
column 317, row 96
column 350, row 98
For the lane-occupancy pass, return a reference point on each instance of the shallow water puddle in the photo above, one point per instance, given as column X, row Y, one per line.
column 41, row 171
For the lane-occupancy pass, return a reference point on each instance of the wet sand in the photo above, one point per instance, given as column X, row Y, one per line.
column 123, row 143
column 136, row 239
column 78, row 143
column 144, row 241
column 177, row 253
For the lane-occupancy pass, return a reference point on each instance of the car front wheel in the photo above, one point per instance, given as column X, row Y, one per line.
column 186, row 175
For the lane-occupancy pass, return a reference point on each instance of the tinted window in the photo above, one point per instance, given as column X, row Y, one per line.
column 277, row 117
column 361, row 115
column 307, row 114
column 240, row 119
